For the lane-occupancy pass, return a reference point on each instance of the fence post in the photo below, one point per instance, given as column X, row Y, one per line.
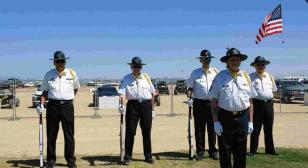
column 172, row 113
column 14, row 115
column 96, row 115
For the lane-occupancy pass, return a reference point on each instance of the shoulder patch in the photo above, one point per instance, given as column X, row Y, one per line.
column 247, row 77
column 215, row 70
column 73, row 73
column 147, row 77
column 272, row 78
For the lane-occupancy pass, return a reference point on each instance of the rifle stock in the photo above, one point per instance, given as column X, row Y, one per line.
column 41, row 141
column 190, row 136
column 122, row 137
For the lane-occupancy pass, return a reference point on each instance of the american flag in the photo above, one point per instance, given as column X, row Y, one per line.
column 272, row 24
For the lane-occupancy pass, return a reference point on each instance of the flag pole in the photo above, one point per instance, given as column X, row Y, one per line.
column 282, row 33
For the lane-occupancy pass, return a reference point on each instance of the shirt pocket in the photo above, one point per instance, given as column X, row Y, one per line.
column 244, row 90
column 268, row 84
column 132, row 88
column 226, row 91
column 257, row 85
column 52, row 84
column 69, row 81
column 200, row 82
column 145, row 87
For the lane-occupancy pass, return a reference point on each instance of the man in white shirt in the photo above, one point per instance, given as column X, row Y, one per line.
column 232, row 92
column 60, row 86
column 198, row 86
column 263, row 113
column 138, row 89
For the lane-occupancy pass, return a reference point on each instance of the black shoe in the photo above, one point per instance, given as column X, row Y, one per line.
column 200, row 156
column 214, row 155
column 71, row 165
column 272, row 153
column 251, row 154
column 50, row 164
column 149, row 160
column 126, row 160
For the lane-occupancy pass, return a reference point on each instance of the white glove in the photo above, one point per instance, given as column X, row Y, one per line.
column 40, row 109
column 121, row 110
column 153, row 114
column 190, row 102
column 218, row 128
column 250, row 127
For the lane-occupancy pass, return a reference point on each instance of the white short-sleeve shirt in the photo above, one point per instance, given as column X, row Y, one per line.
column 233, row 94
column 140, row 88
column 264, row 85
column 60, row 87
column 201, row 82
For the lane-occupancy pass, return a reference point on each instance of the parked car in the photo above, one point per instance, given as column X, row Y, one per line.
column 162, row 87
column 91, row 83
column 180, row 87
column 6, row 99
column 105, row 90
column 29, row 84
column 156, row 95
column 18, row 83
column 289, row 90
column 36, row 95
column 9, row 83
column 5, row 84
column 305, row 82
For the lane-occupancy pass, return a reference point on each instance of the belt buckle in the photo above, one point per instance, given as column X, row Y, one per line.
column 265, row 101
column 234, row 112
column 140, row 100
column 62, row 102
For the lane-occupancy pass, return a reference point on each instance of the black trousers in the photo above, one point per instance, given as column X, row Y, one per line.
column 136, row 111
column 202, row 112
column 57, row 113
column 263, row 114
column 233, row 139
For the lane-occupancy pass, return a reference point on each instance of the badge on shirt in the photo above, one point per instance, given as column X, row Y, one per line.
column 227, row 87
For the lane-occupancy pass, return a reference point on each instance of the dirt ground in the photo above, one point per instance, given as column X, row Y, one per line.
column 101, row 136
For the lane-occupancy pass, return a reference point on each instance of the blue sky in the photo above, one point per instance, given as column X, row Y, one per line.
column 102, row 36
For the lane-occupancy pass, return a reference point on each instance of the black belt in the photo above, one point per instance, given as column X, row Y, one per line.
column 60, row 101
column 262, row 101
column 235, row 113
column 139, row 101
column 203, row 101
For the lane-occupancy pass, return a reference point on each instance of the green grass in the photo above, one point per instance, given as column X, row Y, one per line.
column 288, row 158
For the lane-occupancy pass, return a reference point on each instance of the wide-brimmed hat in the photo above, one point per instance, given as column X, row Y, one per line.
column 136, row 61
column 259, row 59
column 205, row 54
column 231, row 53
column 59, row 55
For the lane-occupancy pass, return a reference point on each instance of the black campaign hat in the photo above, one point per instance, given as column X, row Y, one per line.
column 231, row 53
column 205, row 54
column 136, row 61
column 260, row 59
column 59, row 55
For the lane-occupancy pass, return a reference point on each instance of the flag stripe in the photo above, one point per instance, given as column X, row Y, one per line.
column 273, row 28
column 276, row 32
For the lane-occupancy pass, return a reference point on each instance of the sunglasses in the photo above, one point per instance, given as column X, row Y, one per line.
column 205, row 59
column 62, row 61
column 260, row 64
column 137, row 67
